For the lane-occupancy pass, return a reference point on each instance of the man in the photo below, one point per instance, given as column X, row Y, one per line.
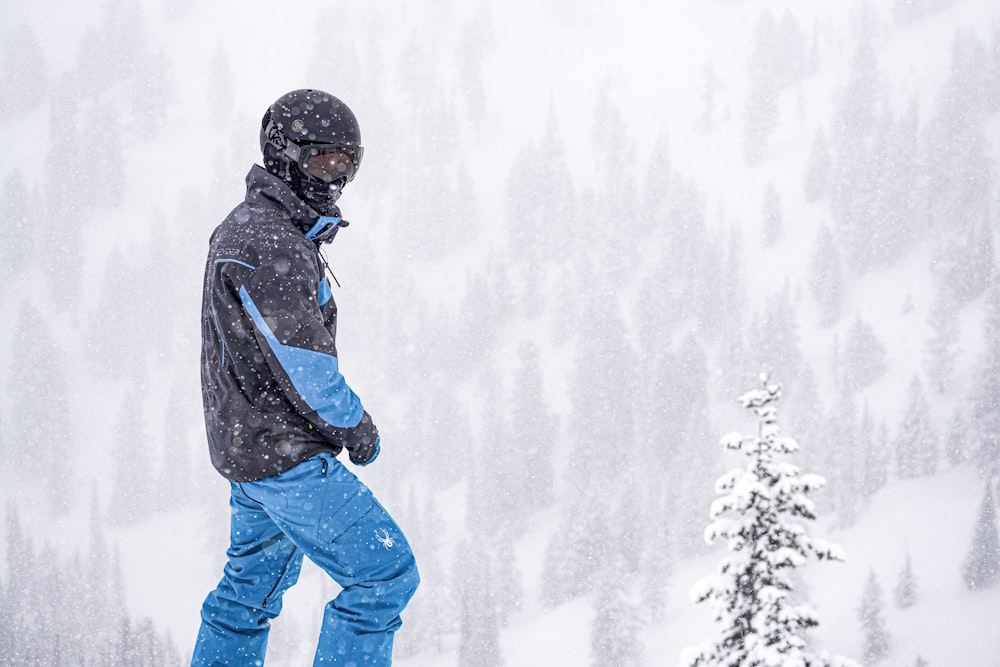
column 278, row 411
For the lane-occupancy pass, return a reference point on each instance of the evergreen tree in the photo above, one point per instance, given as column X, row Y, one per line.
column 916, row 441
column 220, row 91
column 59, row 612
column 23, row 71
column 874, row 634
column 984, row 414
column 40, row 434
column 686, row 422
column 758, row 515
column 774, row 336
column 479, row 628
column 804, row 413
column 656, row 187
column 102, row 137
column 430, row 615
column 732, row 302
column 908, row 11
column 657, row 555
column 791, row 60
column 614, row 632
column 906, row 587
column 760, row 115
column 941, row 349
column 982, row 564
column 532, row 433
column 845, row 449
column 818, row 169
column 956, row 443
column 855, row 114
column 826, row 277
column 874, row 444
column 476, row 40
column 773, row 223
column 111, row 331
column 173, row 485
column 854, row 187
column 964, row 260
column 897, row 219
column 960, row 171
column 863, row 356
column 16, row 221
column 708, row 91
column 605, row 372
column 133, row 495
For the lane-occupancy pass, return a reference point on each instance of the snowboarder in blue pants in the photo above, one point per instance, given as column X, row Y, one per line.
column 278, row 411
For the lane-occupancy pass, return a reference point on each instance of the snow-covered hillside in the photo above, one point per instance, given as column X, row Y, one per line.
column 580, row 232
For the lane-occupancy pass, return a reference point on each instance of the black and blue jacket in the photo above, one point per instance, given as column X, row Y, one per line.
column 271, row 385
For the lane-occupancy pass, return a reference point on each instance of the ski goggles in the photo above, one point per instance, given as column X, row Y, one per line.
column 329, row 162
column 324, row 162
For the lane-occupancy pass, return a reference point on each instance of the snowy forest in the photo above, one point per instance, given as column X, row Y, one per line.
column 581, row 233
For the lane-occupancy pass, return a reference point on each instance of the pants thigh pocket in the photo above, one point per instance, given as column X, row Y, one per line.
column 335, row 522
column 366, row 542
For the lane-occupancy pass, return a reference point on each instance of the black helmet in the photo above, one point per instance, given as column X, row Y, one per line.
column 312, row 140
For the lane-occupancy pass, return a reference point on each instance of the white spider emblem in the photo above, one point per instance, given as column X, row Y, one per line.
column 382, row 535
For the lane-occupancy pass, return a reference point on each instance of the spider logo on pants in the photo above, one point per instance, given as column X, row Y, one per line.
column 382, row 535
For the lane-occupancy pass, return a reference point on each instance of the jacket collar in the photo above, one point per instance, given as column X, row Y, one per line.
column 263, row 186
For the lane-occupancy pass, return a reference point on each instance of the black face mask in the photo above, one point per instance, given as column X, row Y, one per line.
column 321, row 197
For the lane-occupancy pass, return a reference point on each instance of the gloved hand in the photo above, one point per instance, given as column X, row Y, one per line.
column 363, row 444
column 361, row 441
column 378, row 448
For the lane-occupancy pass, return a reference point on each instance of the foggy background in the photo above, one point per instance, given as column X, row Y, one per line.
column 579, row 233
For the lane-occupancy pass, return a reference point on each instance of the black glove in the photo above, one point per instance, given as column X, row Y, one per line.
column 362, row 442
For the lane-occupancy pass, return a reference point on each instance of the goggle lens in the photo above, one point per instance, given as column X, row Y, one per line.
column 331, row 164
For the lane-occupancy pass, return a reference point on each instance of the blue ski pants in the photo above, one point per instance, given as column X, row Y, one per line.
column 321, row 510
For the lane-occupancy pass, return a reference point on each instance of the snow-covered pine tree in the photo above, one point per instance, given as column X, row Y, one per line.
column 16, row 252
column 984, row 418
column 863, row 355
column 759, row 514
column 533, row 428
column 916, row 441
column 875, row 636
column 760, row 116
column 827, row 276
column 479, row 627
column 773, row 222
column 956, row 442
column 872, row 441
column 942, row 347
column 817, row 178
column 982, row 565
column 614, row 633
column 844, row 449
column 906, row 587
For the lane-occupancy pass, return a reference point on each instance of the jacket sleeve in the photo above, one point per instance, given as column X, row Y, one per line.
column 281, row 298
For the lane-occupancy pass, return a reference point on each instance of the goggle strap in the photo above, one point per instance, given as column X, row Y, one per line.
column 280, row 140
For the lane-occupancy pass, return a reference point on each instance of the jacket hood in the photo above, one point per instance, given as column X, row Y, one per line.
column 263, row 185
